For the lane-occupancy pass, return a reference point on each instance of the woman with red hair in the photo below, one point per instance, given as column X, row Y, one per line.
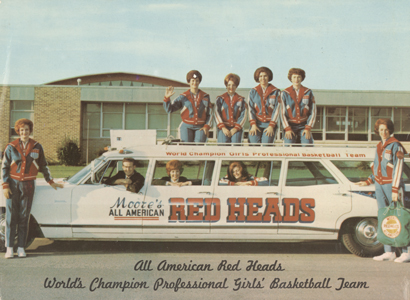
column 230, row 112
column 195, row 109
column 174, row 170
column 23, row 159
column 238, row 175
column 298, row 110
column 263, row 108
column 387, row 175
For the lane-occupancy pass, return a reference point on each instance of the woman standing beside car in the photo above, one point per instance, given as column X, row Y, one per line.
column 387, row 175
column 23, row 159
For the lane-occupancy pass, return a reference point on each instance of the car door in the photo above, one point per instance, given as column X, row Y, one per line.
column 185, row 210
column 108, row 211
column 312, row 199
column 250, row 210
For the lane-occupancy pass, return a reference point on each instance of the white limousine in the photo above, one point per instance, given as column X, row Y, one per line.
column 299, row 194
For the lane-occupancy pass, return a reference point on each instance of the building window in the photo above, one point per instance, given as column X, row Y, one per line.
column 100, row 118
column 92, row 120
column 158, row 119
column 379, row 113
column 402, row 123
column 335, row 123
column 20, row 109
column 317, row 130
column 332, row 123
column 175, row 120
column 112, row 117
column 358, row 121
column 135, row 116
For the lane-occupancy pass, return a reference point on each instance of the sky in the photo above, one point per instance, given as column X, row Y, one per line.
column 341, row 44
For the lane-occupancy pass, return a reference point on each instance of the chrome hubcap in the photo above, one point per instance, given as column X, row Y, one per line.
column 366, row 232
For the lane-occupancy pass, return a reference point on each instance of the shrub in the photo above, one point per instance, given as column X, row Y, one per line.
column 68, row 152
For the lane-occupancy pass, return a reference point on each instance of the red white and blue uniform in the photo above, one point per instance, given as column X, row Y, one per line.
column 230, row 113
column 195, row 114
column 387, row 169
column 21, row 164
column 263, row 112
column 298, row 112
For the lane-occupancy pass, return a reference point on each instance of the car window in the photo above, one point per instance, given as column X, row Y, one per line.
column 306, row 173
column 355, row 171
column 265, row 173
column 199, row 172
column 112, row 167
column 82, row 173
column 141, row 166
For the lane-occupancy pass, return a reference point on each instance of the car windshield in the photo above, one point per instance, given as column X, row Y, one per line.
column 80, row 175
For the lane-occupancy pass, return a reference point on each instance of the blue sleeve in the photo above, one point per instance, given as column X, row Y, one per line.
column 5, row 167
column 42, row 165
column 242, row 117
column 218, row 110
column 171, row 106
column 252, row 110
column 209, row 115
column 371, row 178
column 312, row 111
column 398, row 160
column 276, row 108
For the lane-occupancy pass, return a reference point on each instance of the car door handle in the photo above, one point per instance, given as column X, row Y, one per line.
column 208, row 193
column 341, row 194
column 274, row 193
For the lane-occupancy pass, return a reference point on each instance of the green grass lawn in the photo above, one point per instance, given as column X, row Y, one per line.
column 58, row 171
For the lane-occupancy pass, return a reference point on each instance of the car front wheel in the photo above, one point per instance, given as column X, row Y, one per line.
column 2, row 232
column 360, row 238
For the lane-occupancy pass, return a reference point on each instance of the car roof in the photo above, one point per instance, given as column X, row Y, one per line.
column 207, row 151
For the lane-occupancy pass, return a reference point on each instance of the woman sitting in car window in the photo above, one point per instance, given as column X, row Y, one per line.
column 238, row 175
column 174, row 178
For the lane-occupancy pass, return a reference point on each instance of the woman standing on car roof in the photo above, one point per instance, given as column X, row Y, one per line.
column 298, row 110
column 387, row 175
column 195, row 109
column 263, row 108
column 23, row 159
column 230, row 112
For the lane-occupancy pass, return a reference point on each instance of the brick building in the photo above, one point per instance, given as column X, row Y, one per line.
column 85, row 108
